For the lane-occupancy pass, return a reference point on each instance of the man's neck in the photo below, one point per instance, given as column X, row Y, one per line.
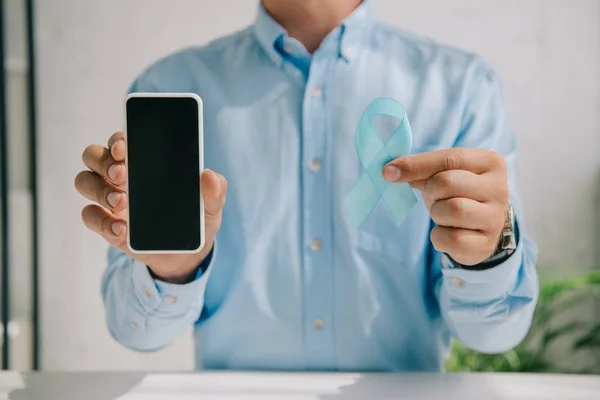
column 309, row 21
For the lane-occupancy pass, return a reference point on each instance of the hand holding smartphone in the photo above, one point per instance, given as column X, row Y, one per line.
column 151, row 198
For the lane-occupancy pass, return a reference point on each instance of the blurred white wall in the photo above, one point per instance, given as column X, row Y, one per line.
column 547, row 51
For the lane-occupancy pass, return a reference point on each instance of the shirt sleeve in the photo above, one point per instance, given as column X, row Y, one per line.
column 145, row 314
column 490, row 310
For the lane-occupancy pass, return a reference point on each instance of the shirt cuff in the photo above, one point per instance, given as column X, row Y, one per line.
column 483, row 284
column 171, row 298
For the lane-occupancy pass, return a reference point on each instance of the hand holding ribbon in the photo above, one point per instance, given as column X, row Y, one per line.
column 466, row 193
column 465, row 190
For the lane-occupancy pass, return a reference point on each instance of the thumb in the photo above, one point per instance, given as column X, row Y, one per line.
column 213, row 187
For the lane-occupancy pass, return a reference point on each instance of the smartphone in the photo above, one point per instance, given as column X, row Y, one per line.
column 164, row 161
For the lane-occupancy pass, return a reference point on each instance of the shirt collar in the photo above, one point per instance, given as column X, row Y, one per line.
column 354, row 30
column 268, row 31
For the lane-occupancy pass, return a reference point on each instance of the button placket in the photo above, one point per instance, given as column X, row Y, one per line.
column 318, row 262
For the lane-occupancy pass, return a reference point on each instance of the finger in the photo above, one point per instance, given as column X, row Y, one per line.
column 419, row 184
column 93, row 187
column 425, row 165
column 116, row 144
column 461, row 183
column 98, row 159
column 213, row 187
column 466, row 246
column 103, row 222
column 461, row 212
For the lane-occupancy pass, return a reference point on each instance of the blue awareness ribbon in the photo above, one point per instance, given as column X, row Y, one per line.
column 374, row 154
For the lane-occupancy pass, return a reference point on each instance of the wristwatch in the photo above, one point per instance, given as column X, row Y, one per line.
column 507, row 244
column 508, row 237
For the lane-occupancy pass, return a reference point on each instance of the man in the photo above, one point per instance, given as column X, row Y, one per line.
column 289, row 282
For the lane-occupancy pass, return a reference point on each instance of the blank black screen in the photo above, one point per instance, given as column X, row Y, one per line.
column 163, row 173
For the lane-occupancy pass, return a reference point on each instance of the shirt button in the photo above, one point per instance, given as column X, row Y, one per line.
column 287, row 48
column 315, row 245
column 457, row 281
column 315, row 165
column 318, row 323
column 134, row 325
column 347, row 52
column 276, row 59
column 148, row 292
column 315, row 91
column 171, row 299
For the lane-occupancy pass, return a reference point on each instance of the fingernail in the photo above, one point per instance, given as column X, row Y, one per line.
column 218, row 183
column 113, row 171
column 208, row 171
column 117, row 228
column 391, row 173
column 114, row 146
column 113, row 198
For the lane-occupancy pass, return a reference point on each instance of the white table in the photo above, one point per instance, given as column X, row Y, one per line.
column 294, row 386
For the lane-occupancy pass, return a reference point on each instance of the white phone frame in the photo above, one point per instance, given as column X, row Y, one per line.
column 200, row 169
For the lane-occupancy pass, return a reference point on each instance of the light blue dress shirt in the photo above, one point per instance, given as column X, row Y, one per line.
column 292, row 284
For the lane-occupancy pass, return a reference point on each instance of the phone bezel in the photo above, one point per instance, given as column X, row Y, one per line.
column 200, row 169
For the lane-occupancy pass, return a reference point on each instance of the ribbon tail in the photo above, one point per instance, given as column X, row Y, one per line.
column 399, row 199
column 361, row 199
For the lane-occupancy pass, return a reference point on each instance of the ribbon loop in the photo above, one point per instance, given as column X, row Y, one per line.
column 373, row 155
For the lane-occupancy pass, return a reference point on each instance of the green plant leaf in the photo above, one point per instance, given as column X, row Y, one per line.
column 561, row 303
column 589, row 339
column 552, row 289
column 552, row 334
